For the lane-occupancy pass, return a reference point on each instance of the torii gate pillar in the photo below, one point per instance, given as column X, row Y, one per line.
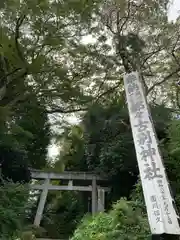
column 41, row 204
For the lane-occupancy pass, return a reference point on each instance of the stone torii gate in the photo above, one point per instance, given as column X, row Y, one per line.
column 97, row 192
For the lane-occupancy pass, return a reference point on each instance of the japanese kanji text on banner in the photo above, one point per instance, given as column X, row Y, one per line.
column 161, row 213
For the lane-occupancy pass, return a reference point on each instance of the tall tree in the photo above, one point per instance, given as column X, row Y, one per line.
column 24, row 139
column 32, row 118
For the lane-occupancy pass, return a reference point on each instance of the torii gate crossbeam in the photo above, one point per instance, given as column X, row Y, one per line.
column 97, row 192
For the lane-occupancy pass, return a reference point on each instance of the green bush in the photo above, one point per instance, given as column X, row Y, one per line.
column 13, row 199
column 126, row 221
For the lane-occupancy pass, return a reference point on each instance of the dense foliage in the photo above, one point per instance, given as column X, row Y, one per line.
column 13, row 204
column 103, row 143
column 124, row 221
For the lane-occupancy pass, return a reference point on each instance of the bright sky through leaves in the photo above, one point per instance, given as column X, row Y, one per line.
column 174, row 10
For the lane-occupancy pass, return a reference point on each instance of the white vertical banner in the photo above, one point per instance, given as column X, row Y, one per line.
column 161, row 212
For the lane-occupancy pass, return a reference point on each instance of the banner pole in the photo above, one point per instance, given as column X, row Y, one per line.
column 163, row 236
column 162, row 213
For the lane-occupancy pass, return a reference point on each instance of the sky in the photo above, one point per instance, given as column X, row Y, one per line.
column 174, row 12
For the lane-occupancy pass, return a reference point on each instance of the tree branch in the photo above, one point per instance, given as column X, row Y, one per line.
column 126, row 18
column 175, row 58
column 65, row 111
column 82, row 109
column 164, row 80
column 9, row 74
column 17, row 36
column 110, row 90
column 150, row 55
column 177, row 98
